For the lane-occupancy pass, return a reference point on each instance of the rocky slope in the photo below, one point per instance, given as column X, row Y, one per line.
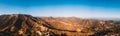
column 27, row 25
column 18, row 24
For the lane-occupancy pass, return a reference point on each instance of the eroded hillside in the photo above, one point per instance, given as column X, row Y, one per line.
column 27, row 25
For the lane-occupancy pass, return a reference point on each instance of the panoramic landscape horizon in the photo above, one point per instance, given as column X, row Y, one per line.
column 59, row 17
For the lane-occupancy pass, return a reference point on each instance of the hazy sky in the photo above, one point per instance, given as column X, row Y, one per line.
column 63, row 8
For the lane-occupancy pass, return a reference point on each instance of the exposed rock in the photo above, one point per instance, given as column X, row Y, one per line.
column 27, row 25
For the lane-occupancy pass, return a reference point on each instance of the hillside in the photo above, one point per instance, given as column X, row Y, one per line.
column 27, row 25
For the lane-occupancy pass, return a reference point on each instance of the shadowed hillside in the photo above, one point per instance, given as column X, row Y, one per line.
column 27, row 25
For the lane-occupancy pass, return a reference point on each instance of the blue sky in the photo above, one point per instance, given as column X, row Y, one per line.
column 62, row 8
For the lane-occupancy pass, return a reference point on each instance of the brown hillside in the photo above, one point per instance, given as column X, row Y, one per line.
column 27, row 25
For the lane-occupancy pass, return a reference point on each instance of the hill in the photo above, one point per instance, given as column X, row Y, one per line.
column 27, row 25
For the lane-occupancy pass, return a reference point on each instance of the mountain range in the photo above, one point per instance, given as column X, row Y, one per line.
column 27, row 25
